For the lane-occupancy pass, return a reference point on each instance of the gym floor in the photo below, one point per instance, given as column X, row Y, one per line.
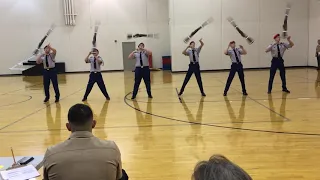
column 270, row 136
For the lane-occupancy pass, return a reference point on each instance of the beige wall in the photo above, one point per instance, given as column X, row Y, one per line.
column 24, row 23
column 260, row 19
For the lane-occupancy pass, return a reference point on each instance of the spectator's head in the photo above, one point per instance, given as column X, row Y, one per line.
column 80, row 118
column 318, row 41
column 219, row 168
column 192, row 44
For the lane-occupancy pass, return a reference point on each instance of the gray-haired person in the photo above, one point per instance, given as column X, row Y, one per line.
column 219, row 168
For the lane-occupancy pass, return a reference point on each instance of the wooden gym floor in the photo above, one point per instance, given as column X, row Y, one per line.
column 272, row 137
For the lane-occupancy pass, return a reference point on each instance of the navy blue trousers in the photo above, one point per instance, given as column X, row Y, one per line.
column 139, row 74
column 193, row 68
column 96, row 78
column 277, row 63
column 50, row 75
column 124, row 175
column 236, row 68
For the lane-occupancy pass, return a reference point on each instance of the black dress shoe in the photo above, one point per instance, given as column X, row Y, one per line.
column 132, row 98
column 203, row 94
column 245, row 93
column 180, row 93
column 108, row 98
column 150, row 96
column 57, row 100
column 46, row 100
column 84, row 99
column 286, row 91
column 269, row 92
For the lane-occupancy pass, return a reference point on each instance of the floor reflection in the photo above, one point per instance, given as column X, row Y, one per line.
column 236, row 137
column 101, row 119
column 144, row 122
column 236, row 121
column 276, row 119
column 53, row 124
column 195, row 139
column 166, row 77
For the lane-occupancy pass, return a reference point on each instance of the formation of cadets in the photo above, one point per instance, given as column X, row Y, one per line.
column 142, row 70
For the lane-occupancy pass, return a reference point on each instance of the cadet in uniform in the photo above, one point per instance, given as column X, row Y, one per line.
column 49, row 71
column 318, row 54
column 142, row 69
column 95, row 74
column 194, row 67
column 277, row 50
column 235, row 55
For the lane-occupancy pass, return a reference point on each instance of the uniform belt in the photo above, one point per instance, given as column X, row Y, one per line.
column 236, row 62
column 48, row 69
column 95, row 72
column 142, row 67
column 194, row 62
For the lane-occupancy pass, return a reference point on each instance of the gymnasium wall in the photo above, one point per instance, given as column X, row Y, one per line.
column 314, row 33
column 260, row 19
column 24, row 23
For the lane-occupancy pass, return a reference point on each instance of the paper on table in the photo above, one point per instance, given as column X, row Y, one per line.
column 25, row 172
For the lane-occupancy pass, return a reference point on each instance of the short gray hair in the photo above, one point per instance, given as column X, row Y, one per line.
column 219, row 168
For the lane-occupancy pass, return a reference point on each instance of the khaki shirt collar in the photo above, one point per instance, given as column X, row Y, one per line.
column 81, row 134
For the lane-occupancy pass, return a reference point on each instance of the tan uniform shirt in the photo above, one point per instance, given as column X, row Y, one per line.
column 83, row 157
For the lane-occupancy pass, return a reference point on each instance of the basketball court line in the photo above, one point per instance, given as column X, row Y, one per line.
column 142, row 126
column 219, row 126
column 193, row 123
column 217, row 101
column 217, row 123
column 260, row 103
column 287, row 119
column 20, row 89
column 96, row 128
column 34, row 112
column 29, row 98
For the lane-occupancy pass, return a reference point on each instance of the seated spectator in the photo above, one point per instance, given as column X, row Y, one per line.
column 219, row 168
column 83, row 156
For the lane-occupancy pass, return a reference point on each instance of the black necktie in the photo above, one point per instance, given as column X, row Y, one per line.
column 194, row 56
column 279, row 54
column 95, row 63
column 141, row 62
column 235, row 53
column 47, row 61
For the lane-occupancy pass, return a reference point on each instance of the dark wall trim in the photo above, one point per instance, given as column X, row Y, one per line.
column 8, row 75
